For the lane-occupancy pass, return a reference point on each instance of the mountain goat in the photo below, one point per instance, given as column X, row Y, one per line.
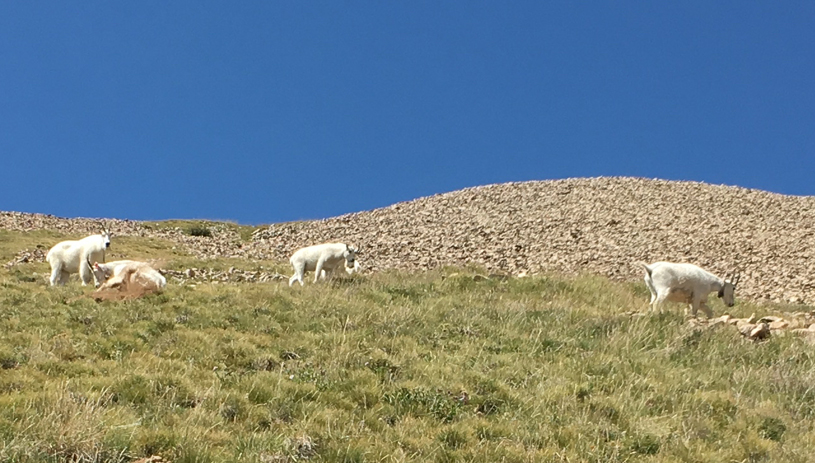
column 322, row 259
column 687, row 283
column 69, row 257
column 113, row 273
column 128, row 276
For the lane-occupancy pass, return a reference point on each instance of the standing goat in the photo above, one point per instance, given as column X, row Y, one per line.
column 322, row 259
column 69, row 257
column 687, row 283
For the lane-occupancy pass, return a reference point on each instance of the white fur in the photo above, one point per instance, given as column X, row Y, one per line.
column 127, row 272
column 70, row 257
column 322, row 259
column 686, row 283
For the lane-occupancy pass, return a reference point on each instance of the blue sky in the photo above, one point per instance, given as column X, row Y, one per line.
column 271, row 111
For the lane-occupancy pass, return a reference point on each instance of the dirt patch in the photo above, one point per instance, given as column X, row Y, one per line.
column 122, row 293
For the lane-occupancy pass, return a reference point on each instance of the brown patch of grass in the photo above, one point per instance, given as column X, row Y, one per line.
column 122, row 293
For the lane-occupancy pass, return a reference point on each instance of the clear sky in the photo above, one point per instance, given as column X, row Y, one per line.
column 270, row 111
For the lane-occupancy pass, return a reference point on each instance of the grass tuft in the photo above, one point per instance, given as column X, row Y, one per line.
column 200, row 230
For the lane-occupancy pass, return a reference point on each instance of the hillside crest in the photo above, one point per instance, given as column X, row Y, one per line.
column 600, row 225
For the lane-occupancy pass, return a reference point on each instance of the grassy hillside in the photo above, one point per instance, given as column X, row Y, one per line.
column 434, row 366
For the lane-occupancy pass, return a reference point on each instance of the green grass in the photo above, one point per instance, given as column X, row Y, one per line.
column 388, row 367
column 12, row 242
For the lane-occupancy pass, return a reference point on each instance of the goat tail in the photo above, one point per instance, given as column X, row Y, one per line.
column 645, row 266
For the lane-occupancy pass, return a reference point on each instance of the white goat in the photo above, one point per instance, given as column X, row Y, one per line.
column 69, row 257
column 103, row 271
column 687, row 283
column 124, row 274
column 322, row 259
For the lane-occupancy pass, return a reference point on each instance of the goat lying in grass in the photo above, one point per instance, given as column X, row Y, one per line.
column 129, row 278
column 69, row 257
column 323, row 259
column 112, row 272
column 687, row 283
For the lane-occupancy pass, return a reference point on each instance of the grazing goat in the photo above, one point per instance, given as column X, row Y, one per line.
column 128, row 276
column 69, row 257
column 322, row 259
column 687, row 283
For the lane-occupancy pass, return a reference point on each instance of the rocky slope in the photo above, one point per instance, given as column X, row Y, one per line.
column 598, row 225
